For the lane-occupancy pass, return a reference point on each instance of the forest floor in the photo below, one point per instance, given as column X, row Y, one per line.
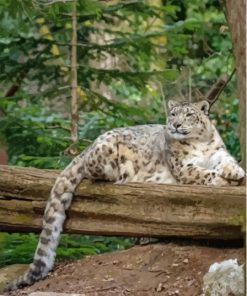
column 162, row 269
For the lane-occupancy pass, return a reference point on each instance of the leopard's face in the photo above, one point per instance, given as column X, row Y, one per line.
column 187, row 120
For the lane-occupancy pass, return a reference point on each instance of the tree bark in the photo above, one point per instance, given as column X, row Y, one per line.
column 235, row 11
column 129, row 210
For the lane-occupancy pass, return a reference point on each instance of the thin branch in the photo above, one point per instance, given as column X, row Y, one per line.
column 162, row 94
column 15, row 86
column 198, row 96
column 57, row 127
column 215, row 91
column 74, row 84
column 190, row 99
column 49, row 2
column 127, row 39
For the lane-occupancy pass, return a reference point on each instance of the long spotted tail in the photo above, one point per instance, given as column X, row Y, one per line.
column 60, row 200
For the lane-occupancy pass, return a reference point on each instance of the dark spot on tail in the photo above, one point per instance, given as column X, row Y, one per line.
column 41, row 252
column 39, row 265
column 44, row 241
column 47, row 231
column 50, row 220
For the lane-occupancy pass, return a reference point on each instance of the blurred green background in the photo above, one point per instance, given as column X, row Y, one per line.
column 132, row 57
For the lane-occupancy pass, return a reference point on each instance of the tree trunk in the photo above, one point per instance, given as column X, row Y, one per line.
column 130, row 210
column 3, row 155
column 235, row 11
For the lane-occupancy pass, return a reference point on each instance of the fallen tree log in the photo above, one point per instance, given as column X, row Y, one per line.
column 130, row 210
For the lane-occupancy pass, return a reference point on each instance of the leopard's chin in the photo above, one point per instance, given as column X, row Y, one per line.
column 180, row 136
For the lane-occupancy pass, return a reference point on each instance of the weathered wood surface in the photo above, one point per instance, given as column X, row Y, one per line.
column 131, row 210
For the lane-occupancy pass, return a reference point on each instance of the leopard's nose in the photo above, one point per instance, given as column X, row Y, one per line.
column 177, row 125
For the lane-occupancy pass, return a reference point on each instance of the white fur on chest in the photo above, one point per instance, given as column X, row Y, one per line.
column 205, row 155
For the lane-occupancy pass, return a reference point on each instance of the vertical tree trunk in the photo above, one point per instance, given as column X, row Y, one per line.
column 3, row 155
column 74, row 101
column 236, row 16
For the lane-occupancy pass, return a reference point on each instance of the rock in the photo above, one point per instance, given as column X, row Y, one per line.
column 159, row 287
column 225, row 278
column 11, row 272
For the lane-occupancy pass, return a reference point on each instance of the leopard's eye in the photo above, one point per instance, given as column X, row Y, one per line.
column 172, row 114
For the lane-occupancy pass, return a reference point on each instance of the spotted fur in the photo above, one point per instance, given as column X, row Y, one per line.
column 188, row 150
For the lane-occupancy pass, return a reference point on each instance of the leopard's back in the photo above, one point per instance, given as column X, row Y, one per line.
column 132, row 154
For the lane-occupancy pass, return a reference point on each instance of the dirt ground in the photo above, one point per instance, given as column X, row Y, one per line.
column 162, row 269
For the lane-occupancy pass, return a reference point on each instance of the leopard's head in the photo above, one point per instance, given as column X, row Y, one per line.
column 188, row 120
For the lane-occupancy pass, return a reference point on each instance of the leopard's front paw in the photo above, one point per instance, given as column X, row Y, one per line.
column 219, row 181
column 231, row 171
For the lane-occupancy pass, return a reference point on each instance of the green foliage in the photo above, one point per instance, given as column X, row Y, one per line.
column 35, row 58
column 192, row 31
column 20, row 248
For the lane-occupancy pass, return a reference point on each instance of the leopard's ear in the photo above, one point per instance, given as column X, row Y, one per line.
column 171, row 104
column 203, row 106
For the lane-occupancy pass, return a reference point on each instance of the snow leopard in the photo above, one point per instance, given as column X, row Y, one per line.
column 187, row 150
